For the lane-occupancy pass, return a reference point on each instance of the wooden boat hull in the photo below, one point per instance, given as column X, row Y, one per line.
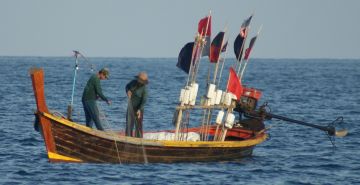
column 77, row 143
column 68, row 141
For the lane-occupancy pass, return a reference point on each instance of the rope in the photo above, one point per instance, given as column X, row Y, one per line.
column 111, row 131
column 57, row 113
column 90, row 65
column 131, row 110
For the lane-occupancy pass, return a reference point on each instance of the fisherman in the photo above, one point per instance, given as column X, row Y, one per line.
column 137, row 94
column 92, row 92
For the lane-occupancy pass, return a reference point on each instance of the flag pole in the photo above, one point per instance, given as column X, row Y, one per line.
column 240, row 59
column 207, row 128
column 247, row 60
column 191, row 62
column 218, row 59
column 203, row 130
column 202, row 45
column 223, row 62
column 194, row 65
column 222, row 65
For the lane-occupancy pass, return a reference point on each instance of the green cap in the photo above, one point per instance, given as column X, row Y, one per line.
column 105, row 72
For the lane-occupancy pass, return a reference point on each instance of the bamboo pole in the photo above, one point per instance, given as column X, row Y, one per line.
column 218, row 59
column 178, row 123
column 202, row 42
column 194, row 65
column 247, row 60
column 209, row 111
column 240, row 59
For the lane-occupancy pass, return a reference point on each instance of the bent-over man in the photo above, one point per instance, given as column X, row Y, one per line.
column 137, row 93
column 92, row 92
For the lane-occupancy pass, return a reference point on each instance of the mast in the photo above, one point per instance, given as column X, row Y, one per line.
column 70, row 107
column 244, row 30
column 194, row 67
column 251, row 46
column 214, row 52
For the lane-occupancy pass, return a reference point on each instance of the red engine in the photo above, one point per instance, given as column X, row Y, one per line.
column 252, row 93
column 250, row 98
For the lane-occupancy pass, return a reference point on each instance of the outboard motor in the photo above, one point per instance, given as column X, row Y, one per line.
column 248, row 102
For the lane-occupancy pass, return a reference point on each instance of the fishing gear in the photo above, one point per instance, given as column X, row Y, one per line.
column 76, row 68
column 264, row 113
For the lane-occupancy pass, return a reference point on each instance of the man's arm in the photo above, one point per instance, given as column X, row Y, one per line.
column 143, row 99
column 99, row 91
column 128, row 88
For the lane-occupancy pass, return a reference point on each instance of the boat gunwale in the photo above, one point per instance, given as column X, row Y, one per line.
column 111, row 135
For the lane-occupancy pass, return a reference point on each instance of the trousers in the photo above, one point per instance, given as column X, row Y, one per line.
column 92, row 114
column 131, row 122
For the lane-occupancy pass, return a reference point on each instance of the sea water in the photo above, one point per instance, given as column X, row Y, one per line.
column 313, row 90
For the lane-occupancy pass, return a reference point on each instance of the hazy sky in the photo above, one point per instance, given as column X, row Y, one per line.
column 159, row 28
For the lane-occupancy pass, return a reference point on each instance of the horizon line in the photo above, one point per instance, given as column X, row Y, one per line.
column 132, row 57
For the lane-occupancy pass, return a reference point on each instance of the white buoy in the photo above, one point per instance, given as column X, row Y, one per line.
column 219, row 117
column 182, row 96
column 211, row 90
column 187, row 95
column 194, row 90
column 218, row 96
column 222, row 101
column 227, row 99
column 230, row 119
column 213, row 98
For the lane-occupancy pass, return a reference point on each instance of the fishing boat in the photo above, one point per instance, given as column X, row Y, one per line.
column 220, row 139
column 67, row 141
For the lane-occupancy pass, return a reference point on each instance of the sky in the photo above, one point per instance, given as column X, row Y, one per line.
column 160, row 28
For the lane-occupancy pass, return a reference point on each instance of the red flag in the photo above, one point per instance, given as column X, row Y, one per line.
column 234, row 84
column 202, row 26
column 248, row 50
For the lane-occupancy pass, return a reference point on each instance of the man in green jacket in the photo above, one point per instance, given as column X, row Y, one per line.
column 137, row 93
column 91, row 93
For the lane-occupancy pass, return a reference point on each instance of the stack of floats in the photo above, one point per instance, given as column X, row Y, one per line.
column 214, row 98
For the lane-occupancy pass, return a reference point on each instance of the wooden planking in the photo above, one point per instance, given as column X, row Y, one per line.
column 138, row 141
column 92, row 149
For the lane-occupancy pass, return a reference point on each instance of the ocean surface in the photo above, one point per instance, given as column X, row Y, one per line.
column 313, row 90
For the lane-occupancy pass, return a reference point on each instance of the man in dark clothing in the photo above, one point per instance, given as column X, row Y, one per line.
column 92, row 92
column 137, row 93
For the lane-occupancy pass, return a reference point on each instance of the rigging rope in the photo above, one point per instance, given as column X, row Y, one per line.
column 111, row 131
column 131, row 111
column 92, row 69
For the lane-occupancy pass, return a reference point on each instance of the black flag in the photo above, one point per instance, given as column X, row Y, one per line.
column 239, row 41
column 184, row 59
column 215, row 48
column 238, row 46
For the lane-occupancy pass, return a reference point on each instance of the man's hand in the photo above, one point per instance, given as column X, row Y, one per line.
column 108, row 102
column 138, row 114
column 129, row 93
